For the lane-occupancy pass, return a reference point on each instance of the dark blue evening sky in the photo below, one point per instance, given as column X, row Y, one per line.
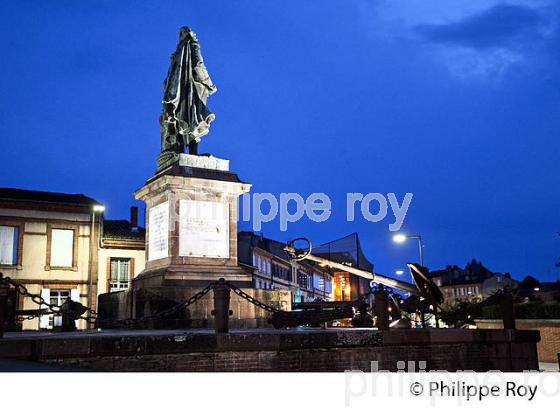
column 457, row 102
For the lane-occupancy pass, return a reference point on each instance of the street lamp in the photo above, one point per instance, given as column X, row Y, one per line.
column 98, row 208
column 401, row 238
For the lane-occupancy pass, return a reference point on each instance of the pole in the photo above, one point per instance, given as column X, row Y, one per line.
column 3, row 304
column 91, row 251
column 508, row 311
column 381, row 308
column 221, row 310
column 421, row 252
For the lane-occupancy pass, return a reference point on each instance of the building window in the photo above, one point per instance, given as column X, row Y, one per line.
column 328, row 285
column 57, row 297
column 318, row 281
column 280, row 271
column 304, row 280
column 62, row 248
column 9, row 239
column 119, row 278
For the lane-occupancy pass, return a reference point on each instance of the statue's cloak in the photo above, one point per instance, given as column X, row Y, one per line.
column 185, row 117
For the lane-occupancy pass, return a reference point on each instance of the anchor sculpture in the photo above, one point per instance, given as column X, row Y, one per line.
column 423, row 290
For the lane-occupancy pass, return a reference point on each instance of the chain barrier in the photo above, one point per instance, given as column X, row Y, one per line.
column 251, row 299
column 50, row 308
column 159, row 315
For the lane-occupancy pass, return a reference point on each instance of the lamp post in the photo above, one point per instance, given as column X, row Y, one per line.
column 401, row 238
column 95, row 209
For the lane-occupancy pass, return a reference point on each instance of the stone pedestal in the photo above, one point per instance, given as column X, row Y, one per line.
column 191, row 224
column 191, row 241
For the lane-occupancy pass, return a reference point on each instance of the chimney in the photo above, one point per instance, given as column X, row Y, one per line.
column 133, row 217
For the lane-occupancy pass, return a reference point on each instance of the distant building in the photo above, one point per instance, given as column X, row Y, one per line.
column 122, row 253
column 47, row 243
column 271, row 268
column 308, row 281
column 473, row 283
column 544, row 291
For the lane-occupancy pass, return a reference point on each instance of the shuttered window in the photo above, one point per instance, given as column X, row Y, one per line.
column 56, row 297
column 62, row 248
column 120, row 274
column 8, row 245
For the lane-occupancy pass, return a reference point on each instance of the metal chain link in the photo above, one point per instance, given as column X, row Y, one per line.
column 131, row 322
column 92, row 318
column 251, row 299
column 52, row 309
column 38, row 299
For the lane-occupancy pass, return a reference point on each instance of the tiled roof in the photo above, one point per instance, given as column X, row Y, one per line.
column 24, row 195
column 122, row 231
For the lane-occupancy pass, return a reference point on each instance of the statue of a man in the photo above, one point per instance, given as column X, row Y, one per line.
column 185, row 118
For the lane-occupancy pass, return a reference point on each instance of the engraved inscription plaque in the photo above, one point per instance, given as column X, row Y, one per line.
column 158, row 228
column 204, row 229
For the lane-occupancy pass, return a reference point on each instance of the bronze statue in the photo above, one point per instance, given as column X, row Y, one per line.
column 185, row 119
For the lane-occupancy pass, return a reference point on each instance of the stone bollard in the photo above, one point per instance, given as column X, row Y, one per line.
column 381, row 300
column 68, row 316
column 221, row 310
column 3, row 304
column 508, row 311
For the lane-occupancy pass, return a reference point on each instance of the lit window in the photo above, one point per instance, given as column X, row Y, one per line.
column 305, row 280
column 120, row 274
column 328, row 285
column 57, row 297
column 319, row 282
column 62, row 248
column 8, row 245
